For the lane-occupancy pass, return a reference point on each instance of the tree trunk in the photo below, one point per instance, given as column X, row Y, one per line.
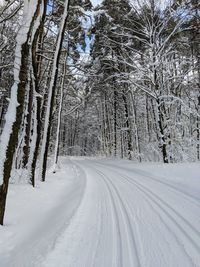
column 26, row 147
column 127, row 125
column 59, row 120
column 162, row 139
column 36, row 63
column 115, row 121
column 15, row 110
column 51, row 94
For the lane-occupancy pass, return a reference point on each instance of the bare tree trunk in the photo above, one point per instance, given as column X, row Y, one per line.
column 36, row 63
column 59, row 119
column 128, row 126
column 115, row 121
column 51, row 94
column 33, row 10
column 162, row 138
column 26, row 147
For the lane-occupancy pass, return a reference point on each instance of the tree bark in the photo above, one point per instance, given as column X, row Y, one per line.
column 18, row 91
column 51, row 96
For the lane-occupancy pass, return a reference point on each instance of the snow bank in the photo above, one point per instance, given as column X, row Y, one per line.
column 35, row 217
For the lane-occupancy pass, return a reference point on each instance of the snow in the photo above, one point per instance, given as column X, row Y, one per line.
column 52, row 84
column 35, row 217
column 28, row 14
column 105, row 212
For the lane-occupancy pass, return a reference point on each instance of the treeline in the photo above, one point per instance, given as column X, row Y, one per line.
column 39, row 51
column 145, row 69
column 118, row 80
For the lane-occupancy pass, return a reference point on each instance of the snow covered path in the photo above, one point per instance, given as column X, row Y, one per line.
column 130, row 217
column 111, row 213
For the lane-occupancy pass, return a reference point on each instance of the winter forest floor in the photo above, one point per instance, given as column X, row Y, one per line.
column 104, row 213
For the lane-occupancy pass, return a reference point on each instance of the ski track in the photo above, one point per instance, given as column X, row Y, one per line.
column 183, row 225
column 121, row 217
column 191, row 198
column 151, row 194
column 120, row 240
column 123, row 213
column 164, row 203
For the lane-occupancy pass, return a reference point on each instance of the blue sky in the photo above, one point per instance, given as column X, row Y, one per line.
column 96, row 2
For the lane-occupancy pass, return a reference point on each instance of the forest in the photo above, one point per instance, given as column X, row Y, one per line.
column 112, row 79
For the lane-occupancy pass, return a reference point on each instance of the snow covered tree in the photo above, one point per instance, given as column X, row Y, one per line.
column 32, row 12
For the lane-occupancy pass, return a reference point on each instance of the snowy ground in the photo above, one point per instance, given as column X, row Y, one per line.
column 105, row 213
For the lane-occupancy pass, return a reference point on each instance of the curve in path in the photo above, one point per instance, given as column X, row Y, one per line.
column 182, row 224
column 124, row 221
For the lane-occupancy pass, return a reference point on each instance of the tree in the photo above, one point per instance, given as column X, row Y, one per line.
column 32, row 12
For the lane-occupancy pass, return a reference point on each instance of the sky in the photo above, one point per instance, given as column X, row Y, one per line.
column 96, row 2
